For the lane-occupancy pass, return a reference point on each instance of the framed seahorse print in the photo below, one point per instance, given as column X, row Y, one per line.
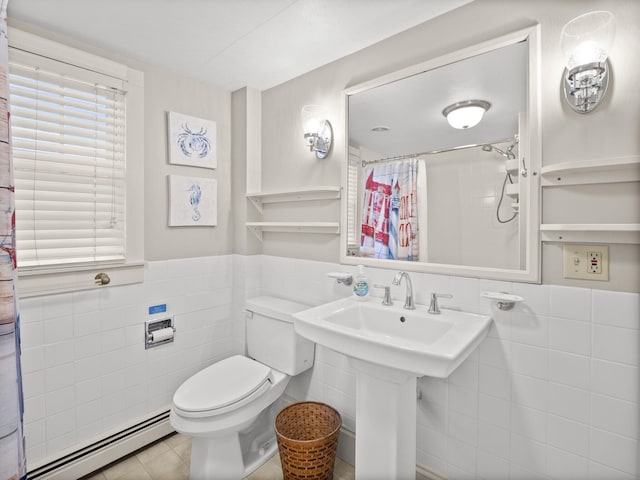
column 192, row 201
column 192, row 141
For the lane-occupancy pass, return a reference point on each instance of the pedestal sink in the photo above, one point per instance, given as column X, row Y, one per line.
column 391, row 347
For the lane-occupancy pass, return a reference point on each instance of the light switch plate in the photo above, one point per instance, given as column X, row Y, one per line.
column 586, row 262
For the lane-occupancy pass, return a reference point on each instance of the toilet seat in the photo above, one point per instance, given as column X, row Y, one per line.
column 222, row 387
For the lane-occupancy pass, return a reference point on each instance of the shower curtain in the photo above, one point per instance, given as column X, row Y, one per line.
column 389, row 226
column 12, row 458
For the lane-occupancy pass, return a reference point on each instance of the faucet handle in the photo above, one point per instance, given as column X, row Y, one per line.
column 387, row 294
column 433, row 306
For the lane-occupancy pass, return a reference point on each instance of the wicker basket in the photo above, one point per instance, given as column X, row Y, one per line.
column 307, row 435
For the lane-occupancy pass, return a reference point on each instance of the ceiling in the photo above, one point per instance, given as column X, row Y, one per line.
column 411, row 108
column 230, row 43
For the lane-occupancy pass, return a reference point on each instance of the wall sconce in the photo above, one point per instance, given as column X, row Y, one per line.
column 466, row 114
column 585, row 43
column 317, row 130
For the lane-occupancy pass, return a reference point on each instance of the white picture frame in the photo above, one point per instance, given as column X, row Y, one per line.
column 191, row 141
column 193, row 201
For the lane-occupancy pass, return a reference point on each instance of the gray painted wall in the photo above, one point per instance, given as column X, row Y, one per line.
column 610, row 131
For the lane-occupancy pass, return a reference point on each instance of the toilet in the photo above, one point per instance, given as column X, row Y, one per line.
column 228, row 409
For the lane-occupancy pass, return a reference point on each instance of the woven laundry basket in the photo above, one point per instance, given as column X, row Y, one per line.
column 307, row 434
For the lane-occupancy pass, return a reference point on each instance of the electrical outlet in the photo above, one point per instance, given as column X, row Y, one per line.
column 595, row 262
column 586, row 262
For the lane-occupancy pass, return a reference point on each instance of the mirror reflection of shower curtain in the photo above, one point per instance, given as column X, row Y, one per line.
column 389, row 226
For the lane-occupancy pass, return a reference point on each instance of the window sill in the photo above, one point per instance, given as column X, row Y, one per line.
column 32, row 283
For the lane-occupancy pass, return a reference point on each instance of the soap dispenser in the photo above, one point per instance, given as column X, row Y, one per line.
column 361, row 285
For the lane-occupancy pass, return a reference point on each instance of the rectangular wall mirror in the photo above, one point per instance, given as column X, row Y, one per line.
column 426, row 194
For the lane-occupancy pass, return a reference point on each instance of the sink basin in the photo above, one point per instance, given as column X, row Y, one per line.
column 412, row 341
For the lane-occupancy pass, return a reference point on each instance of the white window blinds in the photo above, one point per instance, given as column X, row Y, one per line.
column 68, row 146
column 353, row 225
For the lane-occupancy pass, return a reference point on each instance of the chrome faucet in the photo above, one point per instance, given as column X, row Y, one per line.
column 408, row 302
column 433, row 306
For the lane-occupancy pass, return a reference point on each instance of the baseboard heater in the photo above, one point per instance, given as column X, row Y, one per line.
column 92, row 457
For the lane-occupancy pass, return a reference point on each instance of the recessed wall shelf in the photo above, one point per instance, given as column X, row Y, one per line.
column 299, row 195
column 332, row 228
column 591, row 172
column 620, row 169
column 591, row 233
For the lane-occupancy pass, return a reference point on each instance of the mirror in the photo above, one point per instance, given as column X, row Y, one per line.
column 424, row 196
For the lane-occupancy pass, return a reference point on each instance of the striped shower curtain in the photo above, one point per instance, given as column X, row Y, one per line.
column 389, row 227
column 12, row 459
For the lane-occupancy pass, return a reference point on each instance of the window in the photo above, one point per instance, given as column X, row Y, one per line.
column 70, row 122
column 68, row 159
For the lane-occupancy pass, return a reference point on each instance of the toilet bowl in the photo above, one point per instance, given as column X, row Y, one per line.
column 229, row 407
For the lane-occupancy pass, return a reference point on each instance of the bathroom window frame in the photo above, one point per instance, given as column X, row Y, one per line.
column 42, row 280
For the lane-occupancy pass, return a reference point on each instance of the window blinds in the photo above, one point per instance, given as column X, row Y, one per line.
column 353, row 226
column 69, row 166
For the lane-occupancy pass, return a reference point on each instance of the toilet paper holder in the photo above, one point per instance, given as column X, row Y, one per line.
column 158, row 332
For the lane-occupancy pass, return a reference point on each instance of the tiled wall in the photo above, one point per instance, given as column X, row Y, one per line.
column 552, row 392
column 86, row 372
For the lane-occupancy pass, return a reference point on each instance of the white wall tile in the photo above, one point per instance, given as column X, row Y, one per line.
column 570, row 302
column 614, row 451
column 572, row 336
column 60, row 400
column 529, row 422
column 35, row 408
column 615, row 379
column 568, row 435
column 495, row 381
column 531, row 361
column 616, row 416
column 494, row 352
column 529, row 455
column 597, row 471
column 33, row 384
column 88, row 391
column 493, row 439
column 31, row 335
column 463, row 457
column 563, row 465
column 530, row 329
column 58, row 329
column 529, row 391
column 463, row 428
column 58, row 353
column 492, row 467
column 494, row 411
column 60, row 424
column 569, row 402
column 536, row 298
column 616, row 344
column 618, row 309
column 570, row 369
column 59, row 377
column 529, row 366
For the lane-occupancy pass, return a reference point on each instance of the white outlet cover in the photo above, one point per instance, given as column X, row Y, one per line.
column 576, row 262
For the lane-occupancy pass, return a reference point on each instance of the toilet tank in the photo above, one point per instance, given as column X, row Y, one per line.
column 271, row 339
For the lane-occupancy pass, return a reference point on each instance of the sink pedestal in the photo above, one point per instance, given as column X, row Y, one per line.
column 385, row 423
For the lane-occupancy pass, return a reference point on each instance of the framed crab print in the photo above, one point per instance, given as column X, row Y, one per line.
column 192, row 141
column 192, row 201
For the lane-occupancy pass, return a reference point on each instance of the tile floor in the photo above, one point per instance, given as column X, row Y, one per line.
column 168, row 459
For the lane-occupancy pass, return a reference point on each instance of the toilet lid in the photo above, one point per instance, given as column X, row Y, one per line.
column 222, row 384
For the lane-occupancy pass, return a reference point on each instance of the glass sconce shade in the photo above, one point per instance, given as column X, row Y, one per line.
column 587, row 39
column 317, row 130
column 585, row 43
column 466, row 114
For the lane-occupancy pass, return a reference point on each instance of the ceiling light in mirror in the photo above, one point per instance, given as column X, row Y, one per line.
column 466, row 114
